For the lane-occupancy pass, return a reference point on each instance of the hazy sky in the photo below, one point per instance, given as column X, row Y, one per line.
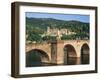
column 82, row 18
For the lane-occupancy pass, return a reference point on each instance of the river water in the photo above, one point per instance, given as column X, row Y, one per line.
column 69, row 61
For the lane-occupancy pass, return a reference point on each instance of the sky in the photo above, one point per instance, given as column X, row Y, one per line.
column 66, row 17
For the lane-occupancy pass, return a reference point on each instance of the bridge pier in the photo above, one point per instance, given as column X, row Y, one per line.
column 78, row 52
column 57, row 54
column 78, row 49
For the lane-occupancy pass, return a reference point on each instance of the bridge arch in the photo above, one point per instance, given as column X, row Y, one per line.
column 70, row 55
column 85, row 54
column 35, row 57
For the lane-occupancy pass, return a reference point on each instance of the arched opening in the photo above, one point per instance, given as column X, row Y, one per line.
column 36, row 57
column 70, row 56
column 85, row 54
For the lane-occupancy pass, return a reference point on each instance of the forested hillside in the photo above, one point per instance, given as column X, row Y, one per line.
column 37, row 26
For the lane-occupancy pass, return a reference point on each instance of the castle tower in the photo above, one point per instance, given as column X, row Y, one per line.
column 48, row 30
column 58, row 35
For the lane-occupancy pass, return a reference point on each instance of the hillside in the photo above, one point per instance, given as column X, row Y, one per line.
column 39, row 26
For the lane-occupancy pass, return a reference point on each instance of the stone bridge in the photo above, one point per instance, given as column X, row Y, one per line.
column 57, row 51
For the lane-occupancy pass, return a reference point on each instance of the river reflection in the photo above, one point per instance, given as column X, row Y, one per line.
column 77, row 61
column 70, row 61
column 73, row 61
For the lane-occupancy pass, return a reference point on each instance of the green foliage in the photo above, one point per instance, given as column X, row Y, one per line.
column 35, row 27
column 68, row 37
column 32, row 36
column 49, row 38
